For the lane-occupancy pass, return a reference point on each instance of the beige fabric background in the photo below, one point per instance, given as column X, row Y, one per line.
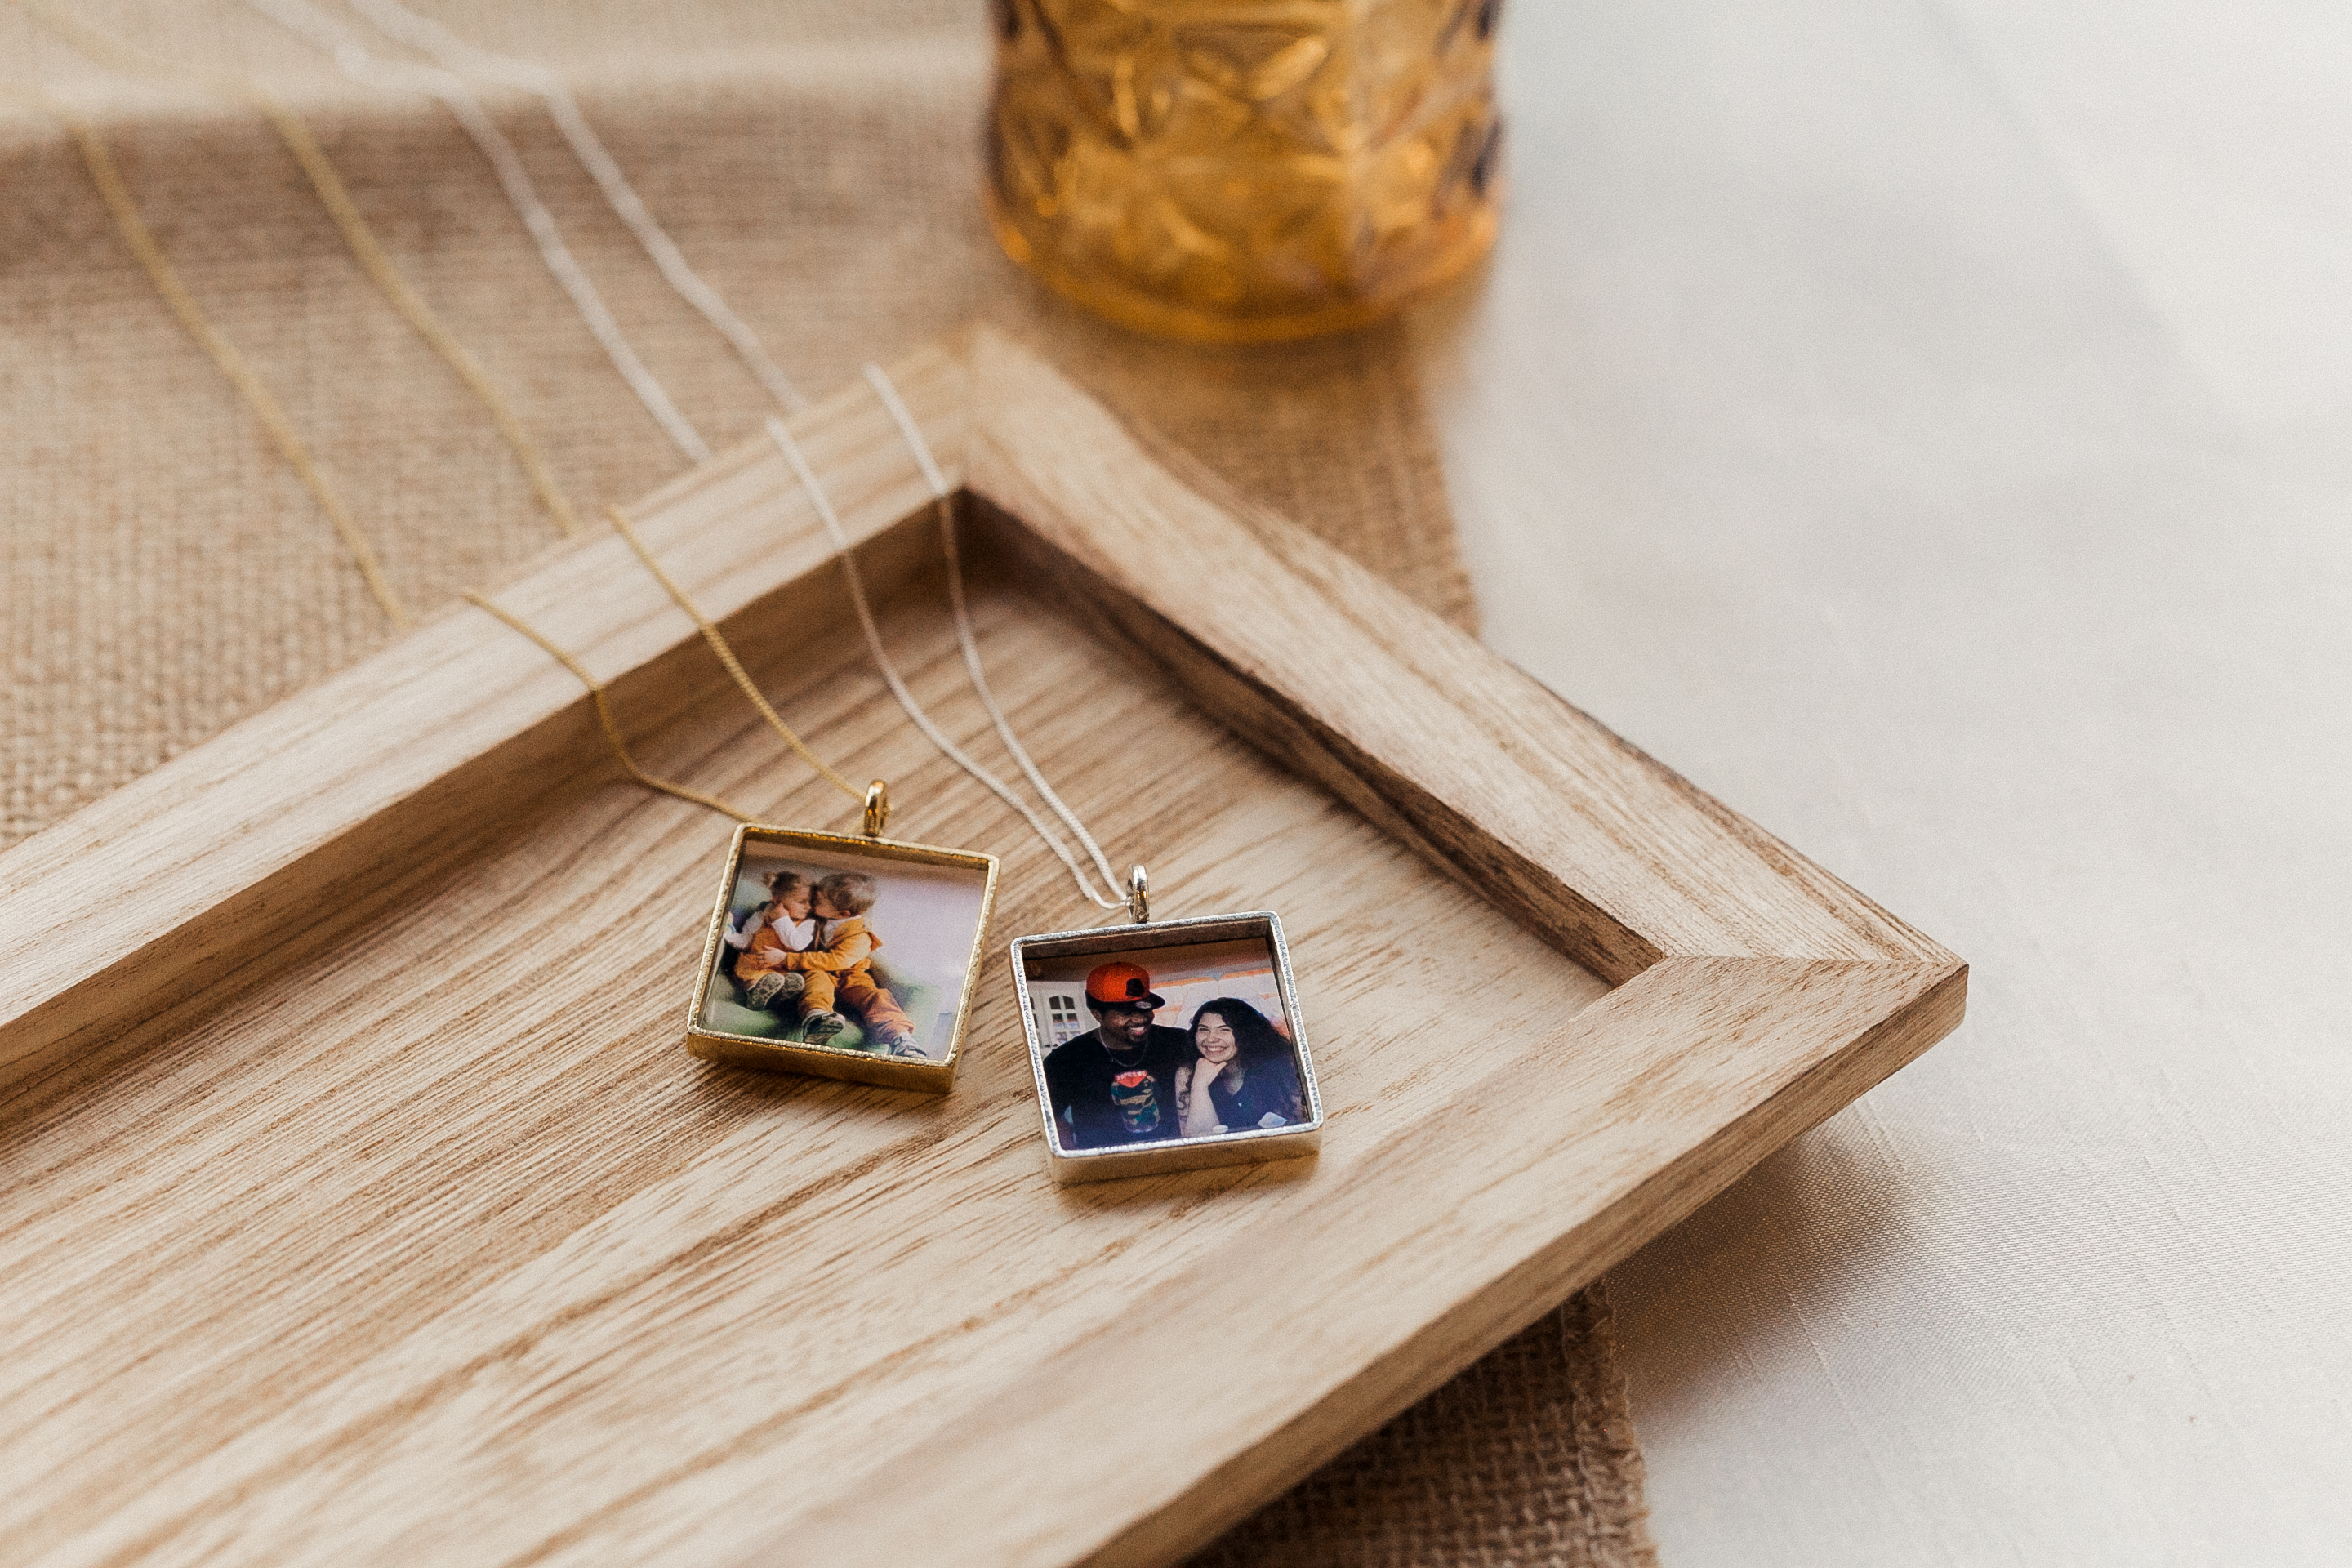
column 164, row 573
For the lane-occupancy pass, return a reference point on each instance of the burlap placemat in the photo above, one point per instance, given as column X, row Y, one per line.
column 165, row 574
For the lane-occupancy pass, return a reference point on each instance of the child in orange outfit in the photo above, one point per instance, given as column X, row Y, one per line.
column 837, row 969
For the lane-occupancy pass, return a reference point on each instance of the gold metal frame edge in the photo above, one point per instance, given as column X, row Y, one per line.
column 759, row 1055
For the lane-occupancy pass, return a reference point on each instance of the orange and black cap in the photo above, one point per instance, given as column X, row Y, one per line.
column 1122, row 985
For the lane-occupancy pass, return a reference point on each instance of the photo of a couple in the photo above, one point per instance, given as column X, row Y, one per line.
column 802, row 957
column 1115, row 1074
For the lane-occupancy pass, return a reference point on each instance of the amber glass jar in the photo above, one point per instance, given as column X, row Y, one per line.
column 1243, row 170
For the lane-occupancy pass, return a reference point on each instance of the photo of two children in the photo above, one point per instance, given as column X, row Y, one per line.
column 803, row 958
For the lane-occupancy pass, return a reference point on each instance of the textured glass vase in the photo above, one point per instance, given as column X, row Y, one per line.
column 1243, row 170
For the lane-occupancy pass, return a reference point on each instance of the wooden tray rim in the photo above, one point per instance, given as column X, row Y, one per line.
column 1698, row 918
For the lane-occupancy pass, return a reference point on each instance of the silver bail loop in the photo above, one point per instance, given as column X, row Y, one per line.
column 1138, row 897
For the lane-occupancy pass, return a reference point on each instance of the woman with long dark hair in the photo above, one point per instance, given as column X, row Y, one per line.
column 1240, row 1073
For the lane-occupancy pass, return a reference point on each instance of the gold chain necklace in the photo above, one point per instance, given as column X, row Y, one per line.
column 1092, row 1130
column 838, row 1009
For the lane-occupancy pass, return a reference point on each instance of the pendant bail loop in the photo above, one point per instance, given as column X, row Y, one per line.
column 877, row 808
column 1138, row 897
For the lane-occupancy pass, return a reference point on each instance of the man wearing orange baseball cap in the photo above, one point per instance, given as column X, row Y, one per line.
column 1116, row 1082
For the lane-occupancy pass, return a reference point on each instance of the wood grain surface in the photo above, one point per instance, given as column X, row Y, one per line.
column 360, row 1205
column 440, row 735
column 1406, row 718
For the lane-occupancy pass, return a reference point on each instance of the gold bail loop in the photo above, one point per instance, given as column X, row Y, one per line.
column 877, row 808
column 1138, row 897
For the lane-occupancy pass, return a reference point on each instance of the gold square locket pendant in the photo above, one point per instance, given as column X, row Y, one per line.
column 1167, row 1045
column 843, row 957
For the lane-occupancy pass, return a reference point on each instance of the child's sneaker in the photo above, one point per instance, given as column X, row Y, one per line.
column 822, row 1025
column 776, row 986
column 901, row 1043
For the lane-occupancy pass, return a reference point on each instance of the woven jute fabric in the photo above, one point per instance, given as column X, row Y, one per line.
column 164, row 573
column 1528, row 1457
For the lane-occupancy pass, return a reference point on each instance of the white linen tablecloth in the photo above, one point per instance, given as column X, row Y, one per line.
column 1929, row 426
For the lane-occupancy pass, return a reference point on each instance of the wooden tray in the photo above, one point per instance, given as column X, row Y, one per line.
column 362, row 1207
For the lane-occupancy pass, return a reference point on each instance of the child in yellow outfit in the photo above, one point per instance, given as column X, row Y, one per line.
column 836, row 970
